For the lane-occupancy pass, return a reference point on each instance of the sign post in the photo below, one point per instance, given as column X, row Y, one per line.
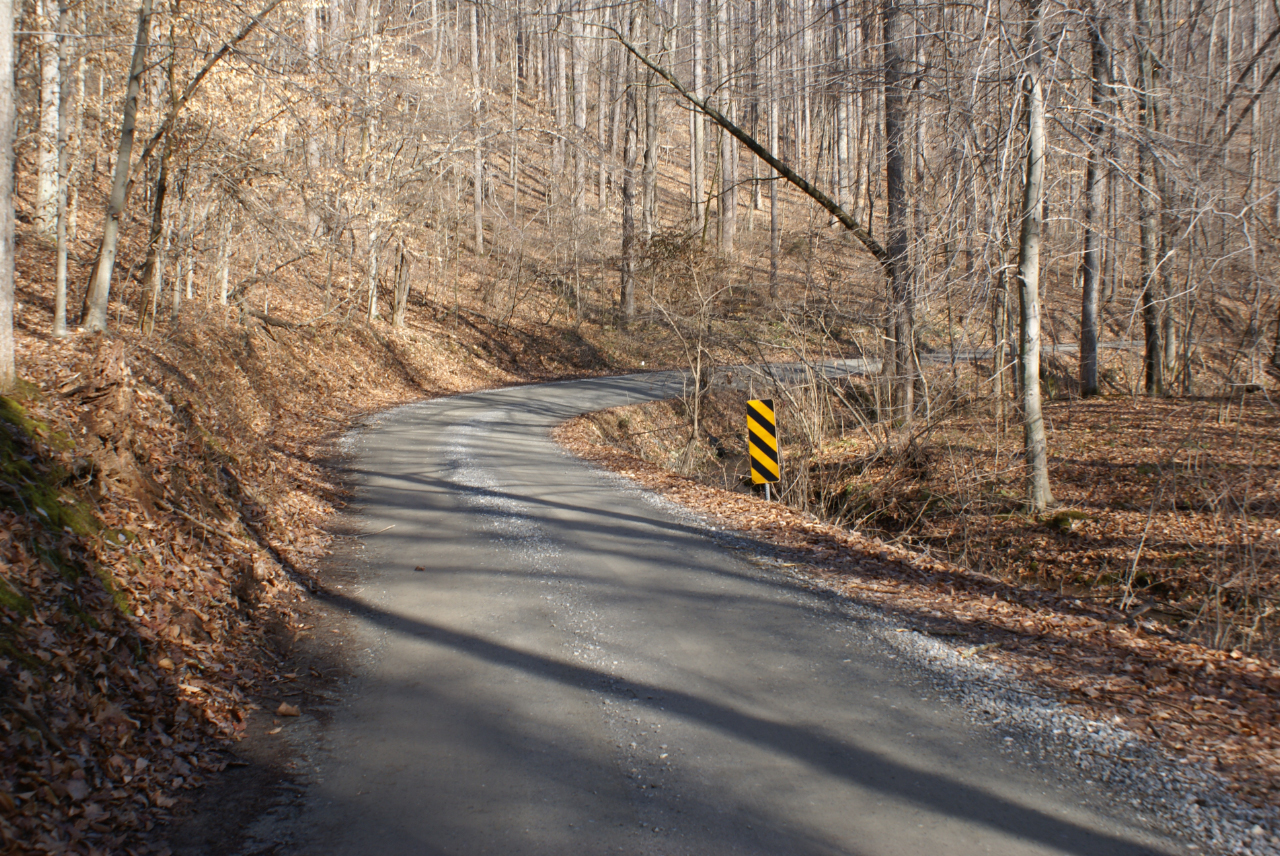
column 762, row 443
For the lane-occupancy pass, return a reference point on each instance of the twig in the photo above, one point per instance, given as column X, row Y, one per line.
column 252, row 548
column 38, row 724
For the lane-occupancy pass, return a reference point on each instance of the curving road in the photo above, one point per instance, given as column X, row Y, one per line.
column 559, row 664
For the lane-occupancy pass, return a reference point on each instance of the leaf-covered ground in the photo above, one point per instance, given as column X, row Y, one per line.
column 1205, row 704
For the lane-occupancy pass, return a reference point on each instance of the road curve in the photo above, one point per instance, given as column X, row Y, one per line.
column 559, row 664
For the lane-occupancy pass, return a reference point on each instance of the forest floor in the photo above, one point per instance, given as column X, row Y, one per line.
column 1092, row 602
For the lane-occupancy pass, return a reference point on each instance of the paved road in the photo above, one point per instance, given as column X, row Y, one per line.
column 576, row 669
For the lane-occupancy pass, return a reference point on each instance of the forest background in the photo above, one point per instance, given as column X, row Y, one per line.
column 1048, row 230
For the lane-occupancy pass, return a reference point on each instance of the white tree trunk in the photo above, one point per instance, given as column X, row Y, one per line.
column 223, row 270
column 698, row 143
column 478, row 154
column 8, row 376
column 579, row 116
column 1032, row 214
column 47, row 152
column 728, row 147
column 64, row 123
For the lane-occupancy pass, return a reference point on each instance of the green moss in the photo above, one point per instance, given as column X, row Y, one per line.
column 28, row 488
column 8, row 648
column 12, row 599
column 108, row 582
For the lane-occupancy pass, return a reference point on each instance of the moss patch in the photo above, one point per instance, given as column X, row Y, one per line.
column 12, row 599
column 28, row 483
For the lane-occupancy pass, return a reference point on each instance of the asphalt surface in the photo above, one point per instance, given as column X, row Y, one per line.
column 555, row 663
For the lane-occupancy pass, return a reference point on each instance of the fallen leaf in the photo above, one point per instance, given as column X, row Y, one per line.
column 166, row 664
column 286, row 709
column 276, row 730
column 77, row 789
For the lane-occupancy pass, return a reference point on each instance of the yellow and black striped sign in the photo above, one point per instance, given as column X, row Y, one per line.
column 762, row 441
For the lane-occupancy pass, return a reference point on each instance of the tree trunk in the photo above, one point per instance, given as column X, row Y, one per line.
column 602, row 113
column 64, row 125
column 1095, row 184
column 579, row 116
column 99, row 291
column 1032, row 214
column 404, row 270
column 1150, row 205
column 899, row 38
column 8, row 375
column 774, row 84
column 627, row 295
column 649, row 174
column 152, row 268
column 371, row 258
column 182, row 241
column 75, row 135
column 561, row 102
column 223, row 271
column 1000, row 343
column 312, row 132
column 47, row 150
column 728, row 148
column 841, row 67
column 478, row 154
column 698, row 142
column 373, row 57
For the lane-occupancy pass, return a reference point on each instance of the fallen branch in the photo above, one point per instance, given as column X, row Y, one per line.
column 245, row 545
column 272, row 320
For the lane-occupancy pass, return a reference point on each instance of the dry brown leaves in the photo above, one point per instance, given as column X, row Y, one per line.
column 1213, row 707
column 1175, row 502
column 132, row 646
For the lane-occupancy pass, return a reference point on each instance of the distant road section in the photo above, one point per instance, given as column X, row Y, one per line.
column 556, row 663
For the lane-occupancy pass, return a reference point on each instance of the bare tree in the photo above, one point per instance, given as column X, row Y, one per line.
column 94, row 313
column 1095, row 185
column 1032, row 215
column 627, row 296
column 8, row 374
column 47, row 157
column 64, row 128
column 1150, row 203
column 899, row 40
